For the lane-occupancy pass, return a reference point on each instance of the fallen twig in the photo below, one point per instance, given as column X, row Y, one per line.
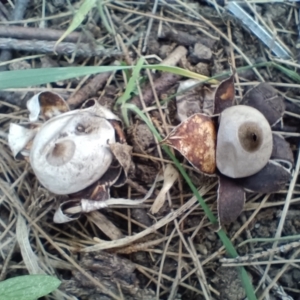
column 186, row 39
column 88, row 90
column 36, row 33
column 84, row 50
column 253, row 257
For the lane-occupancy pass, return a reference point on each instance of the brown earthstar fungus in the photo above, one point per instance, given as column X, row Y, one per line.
column 244, row 141
column 79, row 153
column 236, row 144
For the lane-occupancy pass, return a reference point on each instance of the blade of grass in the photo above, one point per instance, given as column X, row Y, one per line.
column 222, row 235
column 127, row 72
column 130, row 88
column 182, row 72
column 288, row 72
column 33, row 77
column 103, row 17
column 79, row 16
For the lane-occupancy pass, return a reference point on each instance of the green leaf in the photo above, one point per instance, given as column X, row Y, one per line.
column 28, row 287
column 79, row 16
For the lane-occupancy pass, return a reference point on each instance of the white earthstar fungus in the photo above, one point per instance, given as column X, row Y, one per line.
column 71, row 151
column 19, row 136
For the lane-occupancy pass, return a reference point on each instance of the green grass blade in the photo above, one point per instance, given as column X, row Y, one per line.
column 28, row 287
column 33, row 77
column 130, row 88
column 288, row 72
column 181, row 72
column 79, row 16
column 103, row 17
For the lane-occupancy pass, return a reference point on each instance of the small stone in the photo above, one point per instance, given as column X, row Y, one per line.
column 202, row 68
column 211, row 237
column 296, row 275
column 19, row 65
column 287, row 280
column 202, row 249
column 163, row 50
column 141, row 138
column 201, row 53
column 189, row 100
column 230, row 285
column 47, row 62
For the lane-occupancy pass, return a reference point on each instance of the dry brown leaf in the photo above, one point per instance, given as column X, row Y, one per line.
column 195, row 139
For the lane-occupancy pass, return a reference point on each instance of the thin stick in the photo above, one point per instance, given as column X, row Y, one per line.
column 36, row 33
column 251, row 257
column 253, row 263
column 89, row 89
column 84, row 50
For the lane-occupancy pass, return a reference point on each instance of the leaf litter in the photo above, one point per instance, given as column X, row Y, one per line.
column 178, row 255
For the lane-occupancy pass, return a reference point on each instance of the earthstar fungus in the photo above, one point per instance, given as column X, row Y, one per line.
column 236, row 144
column 244, row 141
column 80, row 153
